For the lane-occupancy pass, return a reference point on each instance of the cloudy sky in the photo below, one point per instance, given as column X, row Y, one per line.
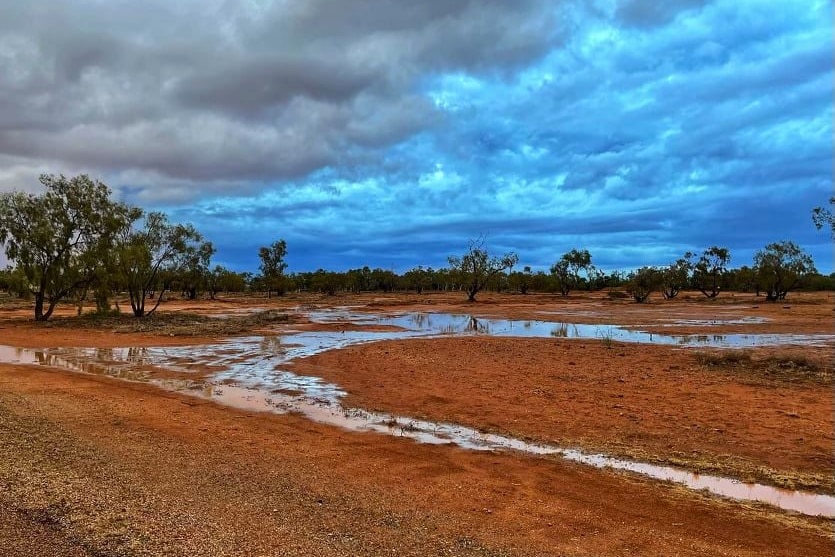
column 388, row 132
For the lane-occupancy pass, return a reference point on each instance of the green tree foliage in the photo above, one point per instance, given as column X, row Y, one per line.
column 572, row 269
column 709, row 270
column 475, row 268
column 326, row 282
column 817, row 282
column 358, row 280
column 744, row 279
column 825, row 218
column 520, row 280
column 642, row 283
column 221, row 279
column 273, row 267
column 676, row 277
column 418, row 279
column 562, row 276
column 193, row 274
column 781, row 267
column 60, row 238
column 13, row 281
column 152, row 255
column 383, row 279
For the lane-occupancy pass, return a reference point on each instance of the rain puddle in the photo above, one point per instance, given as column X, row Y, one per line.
column 715, row 322
column 247, row 373
column 428, row 324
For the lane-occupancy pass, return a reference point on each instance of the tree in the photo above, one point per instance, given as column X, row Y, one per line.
column 562, row 276
column 520, row 281
column 383, row 279
column 475, row 268
column 642, row 283
column 744, row 279
column 193, row 271
column 567, row 270
column 708, row 271
column 273, row 266
column 150, row 257
column 13, row 281
column 781, row 267
column 675, row 277
column 418, row 279
column 59, row 239
column 326, row 282
column 221, row 279
column 823, row 217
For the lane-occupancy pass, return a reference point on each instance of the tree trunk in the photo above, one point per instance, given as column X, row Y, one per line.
column 137, row 303
column 49, row 310
column 39, row 299
column 159, row 300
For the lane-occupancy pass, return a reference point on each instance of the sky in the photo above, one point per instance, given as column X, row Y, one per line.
column 389, row 133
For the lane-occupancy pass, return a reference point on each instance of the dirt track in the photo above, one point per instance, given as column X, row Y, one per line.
column 94, row 466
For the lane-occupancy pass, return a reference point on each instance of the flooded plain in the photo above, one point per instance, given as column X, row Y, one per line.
column 248, row 373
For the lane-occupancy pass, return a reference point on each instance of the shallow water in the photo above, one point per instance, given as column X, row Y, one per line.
column 249, row 376
column 429, row 324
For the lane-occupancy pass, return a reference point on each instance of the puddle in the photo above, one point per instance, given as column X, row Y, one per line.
column 714, row 322
column 250, row 377
column 430, row 324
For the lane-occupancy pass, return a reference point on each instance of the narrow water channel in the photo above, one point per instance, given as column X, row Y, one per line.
column 248, row 373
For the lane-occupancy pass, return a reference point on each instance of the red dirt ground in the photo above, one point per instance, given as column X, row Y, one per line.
column 95, row 466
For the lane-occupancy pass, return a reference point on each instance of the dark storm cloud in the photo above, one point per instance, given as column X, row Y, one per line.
column 253, row 85
column 213, row 91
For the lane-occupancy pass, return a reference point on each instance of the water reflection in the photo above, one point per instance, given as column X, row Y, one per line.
column 427, row 324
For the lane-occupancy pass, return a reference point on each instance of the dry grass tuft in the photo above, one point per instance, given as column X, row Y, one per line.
column 173, row 324
column 780, row 368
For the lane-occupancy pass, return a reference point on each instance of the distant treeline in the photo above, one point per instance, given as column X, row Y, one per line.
column 220, row 280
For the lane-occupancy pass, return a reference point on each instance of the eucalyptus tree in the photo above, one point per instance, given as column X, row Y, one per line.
column 476, row 267
column 383, row 279
column 520, row 280
column 221, row 279
column 151, row 255
column 326, row 282
column 14, row 282
column 744, row 279
column 273, row 266
column 418, row 279
column 562, row 276
column 675, row 277
column 568, row 270
column 59, row 239
column 193, row 271
column 781, row 267
column 709, row 270
column 642, row 283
